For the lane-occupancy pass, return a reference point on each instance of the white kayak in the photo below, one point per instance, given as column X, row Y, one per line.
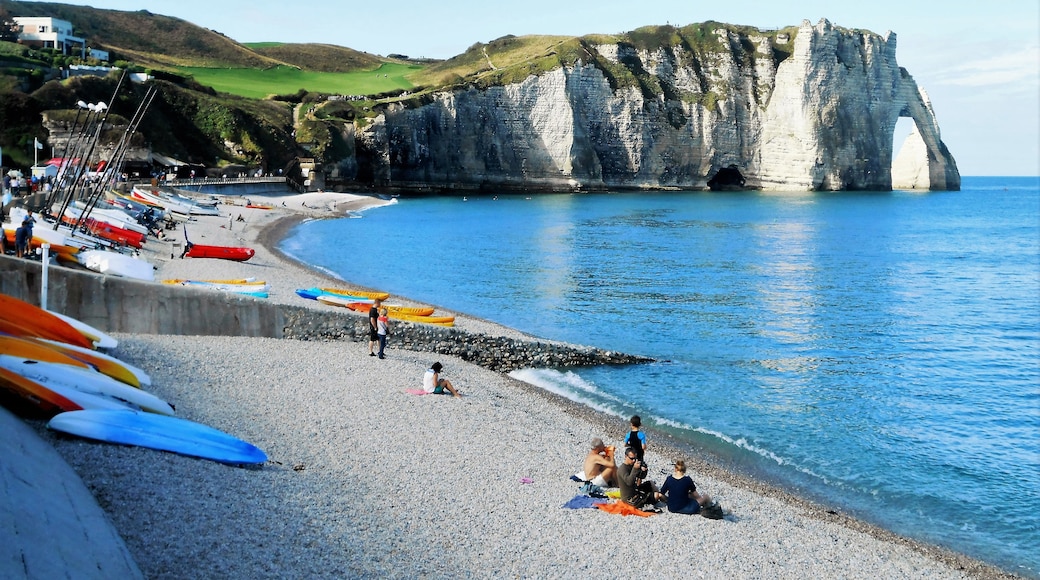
column 67, row 378
column 143, row 378
column 100, row 339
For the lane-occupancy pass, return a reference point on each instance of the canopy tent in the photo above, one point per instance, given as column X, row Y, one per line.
column 60, row 161
column 164, row 161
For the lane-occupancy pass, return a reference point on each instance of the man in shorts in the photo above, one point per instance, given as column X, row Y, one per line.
column 599, row 465
column 373, row 327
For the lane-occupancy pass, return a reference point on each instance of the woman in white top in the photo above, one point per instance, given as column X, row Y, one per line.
column 433, row 383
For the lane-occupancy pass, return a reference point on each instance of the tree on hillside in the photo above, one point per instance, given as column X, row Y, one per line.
column 8, row 27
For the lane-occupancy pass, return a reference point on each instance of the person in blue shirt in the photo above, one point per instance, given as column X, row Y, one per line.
column 636, row 439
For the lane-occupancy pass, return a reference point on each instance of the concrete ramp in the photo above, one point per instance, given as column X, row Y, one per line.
column 52, row 527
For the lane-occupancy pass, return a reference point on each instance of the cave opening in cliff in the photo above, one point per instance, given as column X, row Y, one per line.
column 727, row 179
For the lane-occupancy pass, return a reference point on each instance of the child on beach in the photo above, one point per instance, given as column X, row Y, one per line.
column 383, row 329
column 636, row 439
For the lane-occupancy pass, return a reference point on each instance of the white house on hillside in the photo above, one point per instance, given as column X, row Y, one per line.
column 47, row 32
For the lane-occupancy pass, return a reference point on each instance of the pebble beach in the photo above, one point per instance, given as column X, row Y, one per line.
column 367, row 480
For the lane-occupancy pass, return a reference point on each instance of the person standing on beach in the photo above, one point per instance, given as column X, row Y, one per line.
column 383, row 329
column 373, row 326
column 636, row 439
column 23, row 237
column 433, row 383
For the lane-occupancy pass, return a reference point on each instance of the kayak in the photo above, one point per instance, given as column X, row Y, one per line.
column 314, row 293
column 36, row 321
column 36, row 395
column 226, row 281
column 237, row 254
column 362, row 293
column 393, row 309
column 437, row 320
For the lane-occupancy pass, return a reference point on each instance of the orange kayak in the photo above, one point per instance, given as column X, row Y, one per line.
column 35, row 394
column 104, row 364
column 38, row 322
column 27, row 348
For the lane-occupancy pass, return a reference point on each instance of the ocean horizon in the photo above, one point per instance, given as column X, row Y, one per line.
column 878, row 352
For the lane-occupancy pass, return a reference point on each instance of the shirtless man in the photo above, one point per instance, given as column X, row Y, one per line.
column 599, row 464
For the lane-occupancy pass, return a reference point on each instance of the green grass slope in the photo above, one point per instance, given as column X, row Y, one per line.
column 318, row 57
column 285, row 80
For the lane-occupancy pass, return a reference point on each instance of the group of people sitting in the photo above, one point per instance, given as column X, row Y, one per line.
column 631, row 477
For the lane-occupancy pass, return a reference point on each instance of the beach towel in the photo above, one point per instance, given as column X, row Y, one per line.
column 582, row 501
column 623, row 509
column 416, row 392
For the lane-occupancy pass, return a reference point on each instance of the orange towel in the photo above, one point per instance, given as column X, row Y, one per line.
column 620, row 507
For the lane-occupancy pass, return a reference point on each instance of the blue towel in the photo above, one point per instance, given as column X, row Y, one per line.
column 582, row 501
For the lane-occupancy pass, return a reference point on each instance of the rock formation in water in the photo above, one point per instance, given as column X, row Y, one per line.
column 810, row 109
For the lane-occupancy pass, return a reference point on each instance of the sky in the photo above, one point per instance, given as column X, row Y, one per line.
column 979, row 62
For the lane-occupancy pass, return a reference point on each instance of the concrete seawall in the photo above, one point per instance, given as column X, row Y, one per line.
column 114, row 304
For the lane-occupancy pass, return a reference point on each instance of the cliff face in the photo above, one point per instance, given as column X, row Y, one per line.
column 820, row 119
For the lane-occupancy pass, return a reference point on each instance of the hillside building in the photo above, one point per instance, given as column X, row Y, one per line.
column 47, row 32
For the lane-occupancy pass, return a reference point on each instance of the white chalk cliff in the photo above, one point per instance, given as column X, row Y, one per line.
column 766, row 111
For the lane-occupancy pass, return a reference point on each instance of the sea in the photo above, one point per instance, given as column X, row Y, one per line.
column 877, row 352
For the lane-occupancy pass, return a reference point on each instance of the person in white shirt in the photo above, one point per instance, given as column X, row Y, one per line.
column 433, row 383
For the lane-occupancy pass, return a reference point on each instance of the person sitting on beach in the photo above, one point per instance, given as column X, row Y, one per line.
column 681, row 492
column 632, row 472
column 599, row 467
column 433, row 383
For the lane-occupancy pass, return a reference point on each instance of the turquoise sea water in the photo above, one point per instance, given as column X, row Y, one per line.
column 876, row 351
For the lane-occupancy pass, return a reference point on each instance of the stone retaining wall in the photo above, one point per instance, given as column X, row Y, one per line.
column 115, row 304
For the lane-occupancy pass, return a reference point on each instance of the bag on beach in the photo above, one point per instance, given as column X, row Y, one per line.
column 592, row 490
column 712, row 511
column 641, row 498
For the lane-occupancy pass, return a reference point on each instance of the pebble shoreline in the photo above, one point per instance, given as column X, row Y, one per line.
column 367, row 480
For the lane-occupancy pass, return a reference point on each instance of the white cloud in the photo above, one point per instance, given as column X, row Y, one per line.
column 1021, row 68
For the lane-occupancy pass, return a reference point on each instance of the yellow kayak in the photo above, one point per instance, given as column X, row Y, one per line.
column 392, row 309
column 230, row 281
column 438, row 320
column 362, row 293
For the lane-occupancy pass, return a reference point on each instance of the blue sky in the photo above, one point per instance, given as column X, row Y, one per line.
column 979, row 62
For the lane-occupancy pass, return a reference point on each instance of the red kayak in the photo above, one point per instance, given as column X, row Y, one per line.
column 108, row 231
column 221, row 252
